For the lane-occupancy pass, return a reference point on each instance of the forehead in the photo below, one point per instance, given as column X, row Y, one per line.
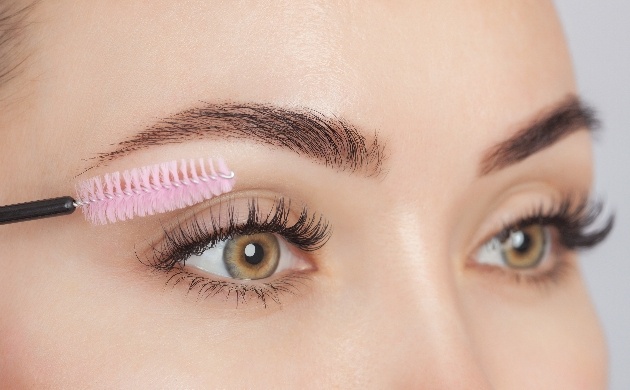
column 327, row 55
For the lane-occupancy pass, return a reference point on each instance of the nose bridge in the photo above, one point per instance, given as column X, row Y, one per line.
column 421, row 306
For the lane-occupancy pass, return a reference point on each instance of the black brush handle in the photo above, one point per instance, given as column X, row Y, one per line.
column 36, row 210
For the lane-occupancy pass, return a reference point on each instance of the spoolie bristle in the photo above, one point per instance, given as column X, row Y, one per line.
column 152, row 189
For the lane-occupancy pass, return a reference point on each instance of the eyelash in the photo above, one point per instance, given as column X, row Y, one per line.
column 309, row 233
column 573, row 219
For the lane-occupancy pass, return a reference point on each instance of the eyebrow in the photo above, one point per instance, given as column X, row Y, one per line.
column 547, row 129
column 325, row 139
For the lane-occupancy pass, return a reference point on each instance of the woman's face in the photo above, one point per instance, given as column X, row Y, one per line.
column 441, row 266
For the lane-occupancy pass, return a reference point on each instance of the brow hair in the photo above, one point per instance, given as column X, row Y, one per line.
column 327, row 139
column 14, row 20
column 545, row 130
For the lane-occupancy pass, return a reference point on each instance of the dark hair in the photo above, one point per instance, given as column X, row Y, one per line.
column 14, row 20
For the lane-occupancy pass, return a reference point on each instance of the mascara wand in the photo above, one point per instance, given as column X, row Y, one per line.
column 36, row 210
column 119, row 196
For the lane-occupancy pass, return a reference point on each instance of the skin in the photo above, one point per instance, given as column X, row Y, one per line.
column 390, row 301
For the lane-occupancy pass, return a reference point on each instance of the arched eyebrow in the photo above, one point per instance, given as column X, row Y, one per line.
column 565, row 118
column 327, row 140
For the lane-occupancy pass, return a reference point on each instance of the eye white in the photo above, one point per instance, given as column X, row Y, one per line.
column 493, row 251
column 211, row 260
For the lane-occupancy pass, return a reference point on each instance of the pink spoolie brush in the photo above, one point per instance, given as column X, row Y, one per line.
column 138, row 192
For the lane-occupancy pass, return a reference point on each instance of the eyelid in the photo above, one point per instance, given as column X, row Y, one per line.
column 510, row 210
column 167, row 222
column 235, row 216
column 310, row 230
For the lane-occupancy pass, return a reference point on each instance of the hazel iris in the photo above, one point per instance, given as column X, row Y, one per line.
column 525, row 247
column 253, row 256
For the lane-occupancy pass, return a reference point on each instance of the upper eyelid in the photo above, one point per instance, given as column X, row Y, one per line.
column 518, row 206
column 318, row 229
column 570, row 216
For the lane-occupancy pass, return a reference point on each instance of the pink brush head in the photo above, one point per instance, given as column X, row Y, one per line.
column 152, row 189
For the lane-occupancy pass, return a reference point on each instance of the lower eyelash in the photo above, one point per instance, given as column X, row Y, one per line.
column 562, row 267
column 555, row 275
column 266, row 292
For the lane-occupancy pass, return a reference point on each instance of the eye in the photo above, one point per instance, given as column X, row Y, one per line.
column 523, row 248
column 537, row 247
column 248, row 257
column 242, row 249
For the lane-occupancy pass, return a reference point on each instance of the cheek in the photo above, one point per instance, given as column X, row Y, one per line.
column 549, row 339
column 73, row 332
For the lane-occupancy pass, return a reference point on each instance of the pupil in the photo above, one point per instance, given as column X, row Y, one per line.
column 524, row 243
column 254, row 253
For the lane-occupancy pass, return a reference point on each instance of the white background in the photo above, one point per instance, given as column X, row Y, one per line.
column 599, row 38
